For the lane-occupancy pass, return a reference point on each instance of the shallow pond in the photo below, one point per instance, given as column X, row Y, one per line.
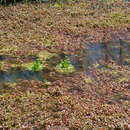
column 16, row 75
column 46, row 74
column 95, row 53
column 116, row 51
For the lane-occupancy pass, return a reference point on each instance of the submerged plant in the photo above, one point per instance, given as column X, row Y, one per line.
column 65, row 66
column 36, row 66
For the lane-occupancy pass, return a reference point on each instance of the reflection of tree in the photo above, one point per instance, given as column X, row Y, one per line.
column 121, row 52
column 116, row 50
column 108, row 53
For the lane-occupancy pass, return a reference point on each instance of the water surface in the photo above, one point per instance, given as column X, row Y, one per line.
column 17, row 75
column 117, row 51
column 96, row 53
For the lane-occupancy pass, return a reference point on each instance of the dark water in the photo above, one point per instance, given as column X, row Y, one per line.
column 96, row 53
column 16, row 75
column 116, row 51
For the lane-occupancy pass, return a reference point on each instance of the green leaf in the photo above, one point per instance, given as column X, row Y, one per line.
column 36, row 66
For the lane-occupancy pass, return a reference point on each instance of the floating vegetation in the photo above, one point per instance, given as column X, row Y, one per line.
column 65, row 66
column 35, row 66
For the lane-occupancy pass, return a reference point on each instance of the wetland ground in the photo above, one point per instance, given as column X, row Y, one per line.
column 95, row 36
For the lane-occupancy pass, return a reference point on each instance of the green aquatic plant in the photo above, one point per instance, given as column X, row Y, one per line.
column 36, row 66
column 65, row 63
column 65, row 66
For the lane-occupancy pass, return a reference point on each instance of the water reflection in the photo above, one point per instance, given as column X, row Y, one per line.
column 126, row 0
column 117, row 51
column 96, row 53
column 16, row 75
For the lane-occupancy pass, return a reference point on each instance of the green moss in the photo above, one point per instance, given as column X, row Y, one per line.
column 34, row 66
column 65, row 66
column 69, row 69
